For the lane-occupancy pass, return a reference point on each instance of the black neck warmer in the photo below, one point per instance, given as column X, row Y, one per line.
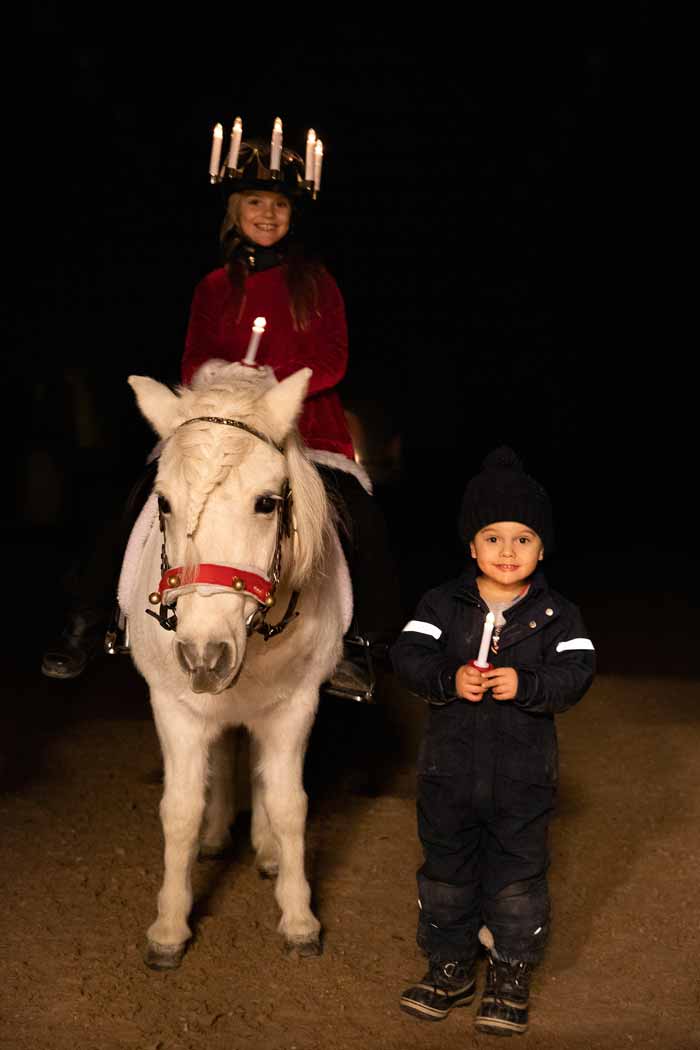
column 257, row 259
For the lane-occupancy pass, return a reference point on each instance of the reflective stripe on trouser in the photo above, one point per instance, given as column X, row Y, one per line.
column 448, row 921
column 518, row 918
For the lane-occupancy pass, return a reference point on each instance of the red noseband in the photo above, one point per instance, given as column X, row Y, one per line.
column 240, row 581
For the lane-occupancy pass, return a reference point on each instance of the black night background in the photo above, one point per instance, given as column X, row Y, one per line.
column 494, row 219
column 499, row 212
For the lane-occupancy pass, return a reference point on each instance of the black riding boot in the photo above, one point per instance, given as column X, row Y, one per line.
column 90, row 587
column 80, row 639
column 354, row 677
column 377, row 615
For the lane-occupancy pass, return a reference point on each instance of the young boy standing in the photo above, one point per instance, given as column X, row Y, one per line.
column 487, row 767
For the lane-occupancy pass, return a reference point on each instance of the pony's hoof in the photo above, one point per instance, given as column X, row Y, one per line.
column 306, row 949
column 164, row 956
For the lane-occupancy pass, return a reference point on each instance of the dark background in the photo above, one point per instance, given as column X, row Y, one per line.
column 495, row 217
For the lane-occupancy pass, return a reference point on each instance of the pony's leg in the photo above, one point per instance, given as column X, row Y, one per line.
column 220, row 809
column 184, row 741
column 281, row 740
column 264, row 842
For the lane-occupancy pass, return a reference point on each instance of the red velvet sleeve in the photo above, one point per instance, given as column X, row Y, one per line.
column 324, row 346
column 201, row 343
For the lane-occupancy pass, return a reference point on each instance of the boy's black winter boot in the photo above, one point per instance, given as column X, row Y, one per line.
column 445, row 986
column 503, row 1007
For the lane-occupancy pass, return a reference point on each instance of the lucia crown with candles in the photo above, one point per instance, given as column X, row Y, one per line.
column 259, row 165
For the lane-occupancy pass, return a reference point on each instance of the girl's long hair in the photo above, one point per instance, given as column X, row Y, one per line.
column 301, row 268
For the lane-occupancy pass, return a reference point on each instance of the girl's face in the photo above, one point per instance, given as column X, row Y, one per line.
column 264, row 217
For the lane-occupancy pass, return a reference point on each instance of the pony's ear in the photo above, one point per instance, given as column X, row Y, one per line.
column 159, row 405
column 284, row 400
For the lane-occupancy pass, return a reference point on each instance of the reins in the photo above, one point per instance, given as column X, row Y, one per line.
column 243, row 582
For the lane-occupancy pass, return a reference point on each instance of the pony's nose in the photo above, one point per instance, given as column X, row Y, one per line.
column 208, row 666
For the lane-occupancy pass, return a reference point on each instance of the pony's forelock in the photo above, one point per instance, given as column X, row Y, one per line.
column 209, row 451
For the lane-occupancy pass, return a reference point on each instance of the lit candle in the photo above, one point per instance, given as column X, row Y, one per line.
column 215, row 157
column 276, row 146
column 318, row 163
column 258, row 329
column 236, row 134
column 309, row 162
column 482, row 658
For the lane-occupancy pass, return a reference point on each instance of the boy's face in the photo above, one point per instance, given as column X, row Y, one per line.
column 507, row 552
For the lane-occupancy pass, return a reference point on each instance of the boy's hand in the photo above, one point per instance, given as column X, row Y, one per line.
column 469, row 683
column 502, row 681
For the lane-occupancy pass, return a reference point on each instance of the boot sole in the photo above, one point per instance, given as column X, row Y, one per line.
column 51, row 672
column 429, row 1013
column 491, row 1026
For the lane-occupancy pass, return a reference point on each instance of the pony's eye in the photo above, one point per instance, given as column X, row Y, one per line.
column 265, row 505
column 163, row 505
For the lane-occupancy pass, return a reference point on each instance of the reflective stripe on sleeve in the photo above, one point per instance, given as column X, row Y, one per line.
column 421, row 627
column 575, row 643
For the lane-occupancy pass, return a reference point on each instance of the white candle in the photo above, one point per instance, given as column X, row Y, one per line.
column 215, row 157
column 258, row 329
column 276, row 145
column 482, row 658
column 318, row 163
column 309, row 162
column 234, row 147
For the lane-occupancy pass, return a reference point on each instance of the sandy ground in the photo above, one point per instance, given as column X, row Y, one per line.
column 80, row 863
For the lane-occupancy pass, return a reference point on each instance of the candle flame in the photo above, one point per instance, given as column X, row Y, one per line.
column 311, row 137
column 259, row 324
column 218, row 131
column 278, row 124
column 238, row 124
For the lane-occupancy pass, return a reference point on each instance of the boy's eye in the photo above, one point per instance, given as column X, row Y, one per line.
column 523, row 539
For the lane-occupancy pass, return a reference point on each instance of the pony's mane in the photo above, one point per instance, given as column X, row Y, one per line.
column 208, row 451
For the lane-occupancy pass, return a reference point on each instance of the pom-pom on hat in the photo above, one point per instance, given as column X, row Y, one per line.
column 504, row 492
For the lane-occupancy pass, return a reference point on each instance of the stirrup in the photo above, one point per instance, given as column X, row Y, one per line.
column 117, row 635
column 354, row 677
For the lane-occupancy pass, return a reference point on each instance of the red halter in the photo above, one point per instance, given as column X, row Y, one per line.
column 239, row 581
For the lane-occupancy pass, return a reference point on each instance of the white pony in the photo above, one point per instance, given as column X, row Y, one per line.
column 230, row 466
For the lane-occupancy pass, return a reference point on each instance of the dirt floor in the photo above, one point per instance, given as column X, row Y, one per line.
column 80, row 863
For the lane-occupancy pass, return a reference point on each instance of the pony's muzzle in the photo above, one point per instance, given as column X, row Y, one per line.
column 209, row 666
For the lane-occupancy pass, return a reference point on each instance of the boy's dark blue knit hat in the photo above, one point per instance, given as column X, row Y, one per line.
column 504, row 492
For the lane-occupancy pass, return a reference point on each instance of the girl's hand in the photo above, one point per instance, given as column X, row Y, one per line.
column 470, row 683
column 502, row 681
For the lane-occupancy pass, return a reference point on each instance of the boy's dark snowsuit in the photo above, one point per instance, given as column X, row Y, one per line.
column 487, row 771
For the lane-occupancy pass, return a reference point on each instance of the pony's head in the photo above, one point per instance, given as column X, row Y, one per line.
column 221, row 491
